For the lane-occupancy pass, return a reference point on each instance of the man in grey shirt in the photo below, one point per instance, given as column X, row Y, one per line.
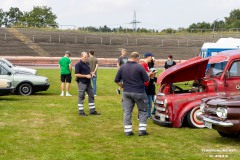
column 133, row 76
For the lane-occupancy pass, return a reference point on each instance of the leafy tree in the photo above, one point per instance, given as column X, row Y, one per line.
column 41, row 17
column 218, row 24
column 13, row 17
column 199, row 26
column 2, row 15
column 105, row 29
column 169, row 30
column 233, row 21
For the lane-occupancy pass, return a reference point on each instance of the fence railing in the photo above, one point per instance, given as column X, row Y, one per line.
column 78, row 39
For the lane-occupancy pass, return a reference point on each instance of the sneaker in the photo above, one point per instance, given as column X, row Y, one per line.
column 95, row 95
column 118, row 91
column 149, row 117
column 62, row 94
column 82, row 113
column 129, row 133
column 95, row 113
column 67, row 94
column 143, row 133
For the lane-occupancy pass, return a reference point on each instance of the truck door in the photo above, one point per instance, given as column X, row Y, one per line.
column 233, row 82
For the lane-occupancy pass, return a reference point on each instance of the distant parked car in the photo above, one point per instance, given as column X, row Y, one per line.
column 25, row 84
column 19, row 69
column 6, row 87
column 222, row 114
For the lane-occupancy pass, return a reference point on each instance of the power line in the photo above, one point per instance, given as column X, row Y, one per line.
column 134, row 22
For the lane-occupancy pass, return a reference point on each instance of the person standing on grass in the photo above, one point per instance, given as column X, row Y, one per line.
column 169, row 63
column 93, row 61
column 151, row 91
column 131, row 78
column 65, row 65
column 147, row 59
column 122, row 60
column 151, row 64
column 83, row 77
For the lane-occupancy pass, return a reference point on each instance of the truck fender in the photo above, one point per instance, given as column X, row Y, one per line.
column 181, row 115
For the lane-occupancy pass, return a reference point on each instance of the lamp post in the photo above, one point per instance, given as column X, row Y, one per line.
column 214, row 23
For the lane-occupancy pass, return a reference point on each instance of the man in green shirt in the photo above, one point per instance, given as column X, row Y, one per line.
column 65, row 65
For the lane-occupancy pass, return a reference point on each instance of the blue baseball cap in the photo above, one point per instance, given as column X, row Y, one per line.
column 148, row 55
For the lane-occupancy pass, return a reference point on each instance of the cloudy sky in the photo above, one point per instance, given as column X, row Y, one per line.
column 153, row 14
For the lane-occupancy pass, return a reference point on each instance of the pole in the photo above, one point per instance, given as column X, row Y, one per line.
column 214, row 29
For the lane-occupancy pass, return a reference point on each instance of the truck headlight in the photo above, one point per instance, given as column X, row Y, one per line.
column 221, row 112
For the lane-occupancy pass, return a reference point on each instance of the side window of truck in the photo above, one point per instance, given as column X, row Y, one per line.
column 235, row 69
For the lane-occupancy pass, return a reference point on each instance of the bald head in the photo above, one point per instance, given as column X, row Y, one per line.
column 84, row 56
column 134, row 56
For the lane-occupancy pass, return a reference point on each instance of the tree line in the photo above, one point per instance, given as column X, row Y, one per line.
column 37, row 17
column 42, row 16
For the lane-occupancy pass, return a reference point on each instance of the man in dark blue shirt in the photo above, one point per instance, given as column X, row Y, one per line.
column 133, row 76
column 83, row 77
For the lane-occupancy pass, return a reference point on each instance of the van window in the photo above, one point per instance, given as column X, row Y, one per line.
column 203, row 54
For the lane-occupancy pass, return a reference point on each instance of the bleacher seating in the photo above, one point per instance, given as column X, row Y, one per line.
column 105, row 45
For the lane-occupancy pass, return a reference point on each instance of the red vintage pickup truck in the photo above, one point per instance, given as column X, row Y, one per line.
column 176, row 105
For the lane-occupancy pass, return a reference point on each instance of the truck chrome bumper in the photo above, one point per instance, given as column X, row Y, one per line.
column 217, row 123
column 161, row 123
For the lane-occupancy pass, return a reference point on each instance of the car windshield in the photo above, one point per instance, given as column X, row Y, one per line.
column 7, row 62
column 216, row 69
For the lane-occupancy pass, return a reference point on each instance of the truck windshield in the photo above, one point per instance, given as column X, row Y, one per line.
column 216, row 69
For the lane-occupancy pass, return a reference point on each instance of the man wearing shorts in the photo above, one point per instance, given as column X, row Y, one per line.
column 65, row 65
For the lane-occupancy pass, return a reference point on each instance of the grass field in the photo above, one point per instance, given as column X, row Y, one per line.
column 47, row 126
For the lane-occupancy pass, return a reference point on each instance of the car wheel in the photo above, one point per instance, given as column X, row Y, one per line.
column 227, row 135
column 25, row 89
column 193, row 120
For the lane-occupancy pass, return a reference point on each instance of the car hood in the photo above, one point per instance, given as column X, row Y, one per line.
column 192, row 69
column 24, row 70
column 223, row 101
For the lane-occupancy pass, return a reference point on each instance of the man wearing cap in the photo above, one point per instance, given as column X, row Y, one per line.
column 148, row 58
column 133, row 76
column 65, row 65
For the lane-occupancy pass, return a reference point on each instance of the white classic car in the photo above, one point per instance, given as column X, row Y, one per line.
column 19, row 69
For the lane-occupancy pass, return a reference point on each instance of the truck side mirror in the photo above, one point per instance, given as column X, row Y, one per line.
column 227, row 75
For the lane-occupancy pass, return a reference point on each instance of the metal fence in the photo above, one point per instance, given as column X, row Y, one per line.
column 187, row 41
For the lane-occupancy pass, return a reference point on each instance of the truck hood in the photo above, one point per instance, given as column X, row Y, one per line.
column 192, row 69
column 223, row 101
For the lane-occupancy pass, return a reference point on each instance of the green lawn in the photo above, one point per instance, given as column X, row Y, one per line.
column 47, row 126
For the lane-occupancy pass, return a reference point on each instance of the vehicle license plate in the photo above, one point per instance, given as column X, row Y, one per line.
column 208, row 125
column 162, row 117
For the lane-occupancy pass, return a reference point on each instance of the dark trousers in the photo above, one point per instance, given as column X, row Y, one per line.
column 82, row 88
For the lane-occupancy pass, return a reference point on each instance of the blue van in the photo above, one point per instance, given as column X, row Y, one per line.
column 223, row 44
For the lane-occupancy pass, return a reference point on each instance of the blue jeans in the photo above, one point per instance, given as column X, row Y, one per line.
column 94, row 82
column 150, row 101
